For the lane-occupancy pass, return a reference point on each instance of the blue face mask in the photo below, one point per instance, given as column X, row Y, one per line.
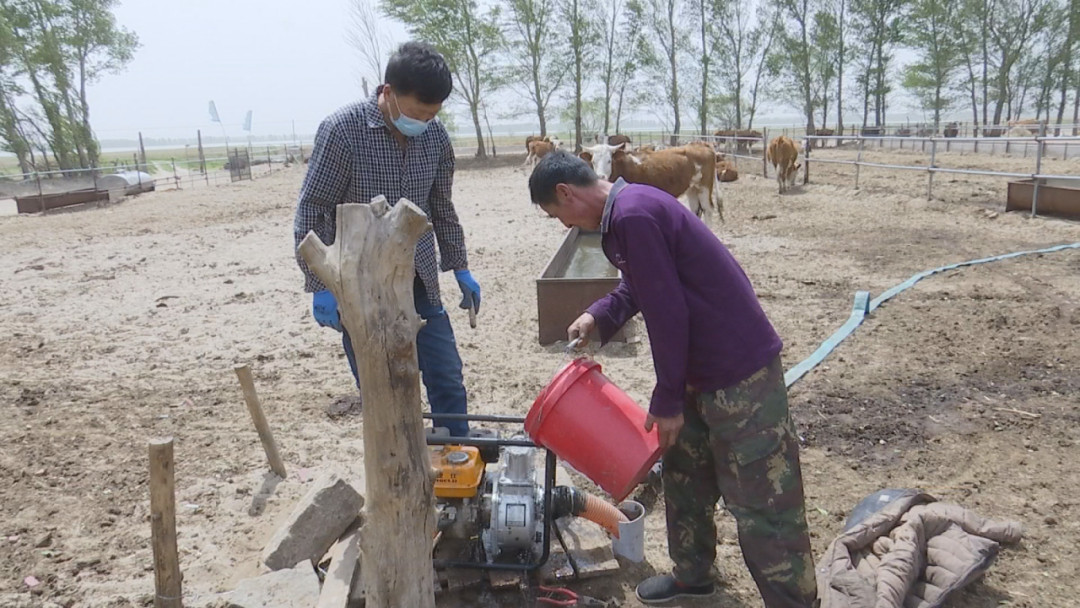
column 409, row 127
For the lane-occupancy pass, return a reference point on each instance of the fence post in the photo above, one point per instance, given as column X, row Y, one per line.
column 93, row 173
column 176, row 177
column 1038, row 170
column 930, row 171
column 976, row 140
column 806, row 168
column 41, row 196
column 202, row 157
column 765, row 151
column 269, row 161
column 858, row 160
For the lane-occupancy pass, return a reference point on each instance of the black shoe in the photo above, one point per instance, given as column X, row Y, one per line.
column 664, row 588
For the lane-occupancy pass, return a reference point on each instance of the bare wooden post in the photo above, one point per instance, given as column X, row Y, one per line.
column 163, row 525
column 369, row 269
column 858, row 160
column 930, row 171
column 1038, row 170
column 765, row 151
column 41, row 195
column 243, row 373
column 807, row 143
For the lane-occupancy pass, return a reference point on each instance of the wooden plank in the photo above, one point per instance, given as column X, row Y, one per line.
column 163, row 525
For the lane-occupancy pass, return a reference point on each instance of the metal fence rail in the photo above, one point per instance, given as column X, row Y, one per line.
column 1037, row 177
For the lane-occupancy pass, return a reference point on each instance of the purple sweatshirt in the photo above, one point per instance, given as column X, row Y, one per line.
column 704, row 321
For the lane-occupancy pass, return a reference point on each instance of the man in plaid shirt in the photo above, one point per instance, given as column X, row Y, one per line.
column 391, row 144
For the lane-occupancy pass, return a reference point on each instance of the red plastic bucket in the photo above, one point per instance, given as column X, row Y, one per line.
column 595, row 427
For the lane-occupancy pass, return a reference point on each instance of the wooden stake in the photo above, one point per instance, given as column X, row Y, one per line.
column 243, row 373
column 370, row 271
column 163, row 525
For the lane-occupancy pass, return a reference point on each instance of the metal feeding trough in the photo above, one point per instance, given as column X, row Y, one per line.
column 577, row 275
column 1057, row 197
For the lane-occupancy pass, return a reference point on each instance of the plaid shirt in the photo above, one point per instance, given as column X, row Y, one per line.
column 355, row 159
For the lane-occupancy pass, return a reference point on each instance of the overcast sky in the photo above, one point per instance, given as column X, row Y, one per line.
column 285, row 60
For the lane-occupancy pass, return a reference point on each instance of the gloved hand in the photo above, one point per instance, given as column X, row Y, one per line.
column 324, row 309
column 470, row 289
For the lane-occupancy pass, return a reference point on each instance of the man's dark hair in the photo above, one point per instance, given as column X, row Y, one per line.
column 416, row 68
column 558, row 167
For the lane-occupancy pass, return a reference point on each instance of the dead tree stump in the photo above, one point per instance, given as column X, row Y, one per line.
column 370, row 271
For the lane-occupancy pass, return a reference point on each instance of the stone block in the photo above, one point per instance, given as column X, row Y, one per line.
column 296, row 587
column 319, row 519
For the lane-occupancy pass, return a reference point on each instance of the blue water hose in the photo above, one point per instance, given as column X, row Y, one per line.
column 863, row 306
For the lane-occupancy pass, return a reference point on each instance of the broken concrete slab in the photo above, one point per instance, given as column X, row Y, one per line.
column 296, row 587
column 344, row 564
column 319, row 520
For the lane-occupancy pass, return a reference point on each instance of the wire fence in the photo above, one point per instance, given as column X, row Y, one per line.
column 1039, row 147
column 160, row 170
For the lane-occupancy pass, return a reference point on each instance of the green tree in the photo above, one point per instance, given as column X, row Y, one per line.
column 792, row 60
column 1013, row 26
column 468, row 38
column 667, row 20
column 877, row 26
column 576, row 14
column 537, row 68
column 632, row 59
column 59, row 47
column 932, row 77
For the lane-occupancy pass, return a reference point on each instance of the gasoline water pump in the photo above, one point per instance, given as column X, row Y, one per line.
column 494, row 507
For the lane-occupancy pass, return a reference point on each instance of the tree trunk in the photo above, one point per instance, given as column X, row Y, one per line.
column 369, row 269
column 840, row 75
column 673, row 58
column 704, row 114
column 1076, row 110
column 539, row 103
column 481, row 151
column 985, row 62
column 609, row 80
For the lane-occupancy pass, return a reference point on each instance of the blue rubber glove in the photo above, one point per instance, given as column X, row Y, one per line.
column 324, row 309
column 470, row 290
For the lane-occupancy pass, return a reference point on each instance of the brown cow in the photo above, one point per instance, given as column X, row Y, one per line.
column 1031, row 125
column 745, row 137
column 615, row 140
column 952, row 129
column 540, row 149
column 821, row 143
column 689, row 170
column 782, row 153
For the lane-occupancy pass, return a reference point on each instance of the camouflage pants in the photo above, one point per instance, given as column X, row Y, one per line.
column 740, row 444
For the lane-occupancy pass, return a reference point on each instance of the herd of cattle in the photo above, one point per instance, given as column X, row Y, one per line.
column 692, row 171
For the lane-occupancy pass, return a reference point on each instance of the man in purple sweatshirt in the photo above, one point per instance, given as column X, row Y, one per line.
column 720, row 403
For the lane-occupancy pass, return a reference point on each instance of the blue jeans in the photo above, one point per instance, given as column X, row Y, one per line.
column 440, row 363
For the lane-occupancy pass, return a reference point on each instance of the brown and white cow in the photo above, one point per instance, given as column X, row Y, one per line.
column 725, row 169
column 782, row 153
column 538, row 150
column 689, row 170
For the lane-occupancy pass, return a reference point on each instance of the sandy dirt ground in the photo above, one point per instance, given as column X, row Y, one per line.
column 123, row 323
